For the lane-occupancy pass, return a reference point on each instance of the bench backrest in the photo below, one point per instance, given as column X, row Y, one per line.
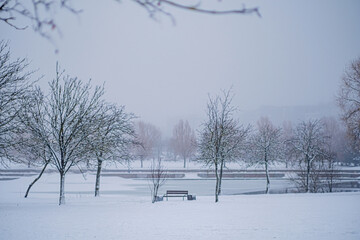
column 176, row 192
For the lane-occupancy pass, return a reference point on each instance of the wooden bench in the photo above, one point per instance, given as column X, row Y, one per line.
column 176, row 193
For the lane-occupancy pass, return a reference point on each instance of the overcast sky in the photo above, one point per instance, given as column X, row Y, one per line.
column 293, row 55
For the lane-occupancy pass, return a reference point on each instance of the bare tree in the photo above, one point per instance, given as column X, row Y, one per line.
column 149, row 138
column 336, row 146
column 64, row 120
column 309, row 145
column 222, row 137
column 349, row 102
column 183, row 140
column 313, row 180
column 30, row 145
column 40, row 13
column 14, row 86
column 287, row 134
column 113, row 139
column 265, row 146
column 158, row 178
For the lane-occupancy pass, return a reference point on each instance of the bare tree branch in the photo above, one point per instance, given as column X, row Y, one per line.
column 41, row 14
column 196, row 8
column 15, row 85
column 349, row 101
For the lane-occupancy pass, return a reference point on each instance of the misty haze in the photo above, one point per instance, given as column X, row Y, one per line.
column 169, row 119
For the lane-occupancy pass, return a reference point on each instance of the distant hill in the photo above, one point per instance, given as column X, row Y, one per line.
column 294, row 114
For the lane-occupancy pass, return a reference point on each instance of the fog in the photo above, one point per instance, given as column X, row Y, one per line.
column 292, row 57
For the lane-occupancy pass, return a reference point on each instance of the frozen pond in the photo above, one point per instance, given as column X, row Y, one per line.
column 77, row 186
column 229, row 187
column 205, row 187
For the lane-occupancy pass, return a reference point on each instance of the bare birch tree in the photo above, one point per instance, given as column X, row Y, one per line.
column 265, row 146
column 222, row 137
column 309, row 145
column 183, row 141
column 64, row 120
column 349, row 102
column 113, row 139
column 15, row 85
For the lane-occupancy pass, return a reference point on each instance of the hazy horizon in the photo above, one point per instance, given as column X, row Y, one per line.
column 294, row 55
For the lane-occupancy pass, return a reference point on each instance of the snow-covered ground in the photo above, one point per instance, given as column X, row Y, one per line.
column 120, row 214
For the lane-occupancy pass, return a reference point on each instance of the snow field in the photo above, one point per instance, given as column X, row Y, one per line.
column 122, row 216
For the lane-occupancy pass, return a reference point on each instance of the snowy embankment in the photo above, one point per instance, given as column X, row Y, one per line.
column 121, row 216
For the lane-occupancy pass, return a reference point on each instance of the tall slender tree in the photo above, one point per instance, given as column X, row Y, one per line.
column 148, row 138
column 183, row 140
column 266, row 146
column 114, row 138
column 222, row 137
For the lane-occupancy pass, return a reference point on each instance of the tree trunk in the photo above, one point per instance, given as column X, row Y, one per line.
column 307, row 188
column 331, row 184
column 155, row 192
column 267, row 178
column 62, row 191
column 184, row 162
column 330, row 175
column 97, row 182
column 217, row 184
column 36, row 179
column 141, row 162
column 220, row 176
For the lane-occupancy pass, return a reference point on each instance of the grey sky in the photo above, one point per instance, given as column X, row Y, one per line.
column 294, row 55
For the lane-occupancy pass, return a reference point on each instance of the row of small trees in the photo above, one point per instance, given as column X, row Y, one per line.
column 182, row 143
column 311, row 147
